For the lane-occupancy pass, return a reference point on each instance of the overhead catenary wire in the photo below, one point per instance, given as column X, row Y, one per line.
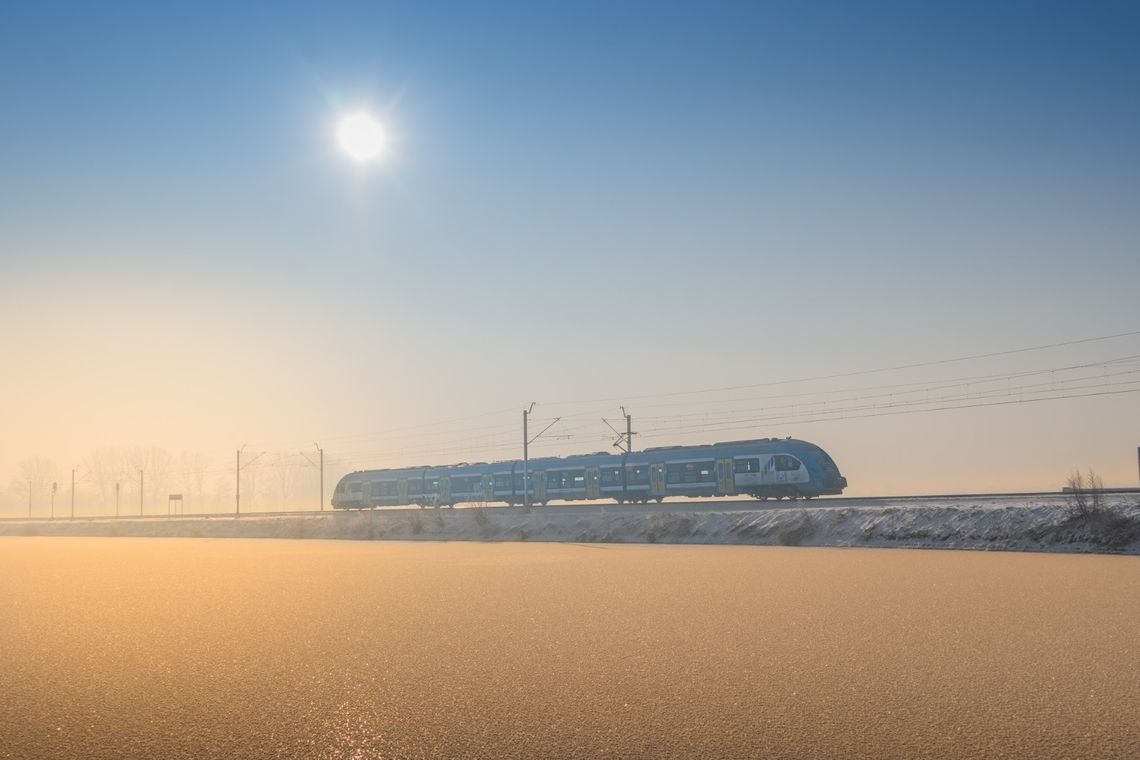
column 446, row 437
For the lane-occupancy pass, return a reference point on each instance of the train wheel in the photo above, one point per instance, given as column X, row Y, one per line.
column 660, row 499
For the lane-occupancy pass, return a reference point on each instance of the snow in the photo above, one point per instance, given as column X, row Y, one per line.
column 1006, row 525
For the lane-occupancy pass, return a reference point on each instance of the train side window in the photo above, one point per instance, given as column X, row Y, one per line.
column 705, row 473
column 611, row 476
column 415, row 487
column 576, row 479
column 637, row 475
column 785, row 463
column 502, row 482
column 744, row 466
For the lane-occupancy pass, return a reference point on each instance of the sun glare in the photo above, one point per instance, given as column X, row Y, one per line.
column 361, row 136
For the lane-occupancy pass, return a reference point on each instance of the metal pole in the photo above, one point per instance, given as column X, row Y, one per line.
column 628, row 434
column 322, row 453
column 237, row 490
column 526, row 457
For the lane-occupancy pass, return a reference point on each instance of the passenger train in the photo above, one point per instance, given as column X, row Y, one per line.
column 764, row 468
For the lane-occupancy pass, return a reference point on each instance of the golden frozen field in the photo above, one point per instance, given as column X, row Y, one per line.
column 268, row 648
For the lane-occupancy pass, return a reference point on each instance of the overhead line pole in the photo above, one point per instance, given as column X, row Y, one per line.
column 237, row 475
column 628, row 431
column 526, row 461
column 627, row 436
column 527, row 440
column 321, row 466
column 237, row 486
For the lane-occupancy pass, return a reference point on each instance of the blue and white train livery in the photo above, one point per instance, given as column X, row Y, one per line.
column 764, row 468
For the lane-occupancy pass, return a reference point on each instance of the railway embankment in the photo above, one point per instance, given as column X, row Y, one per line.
column 1054, row 528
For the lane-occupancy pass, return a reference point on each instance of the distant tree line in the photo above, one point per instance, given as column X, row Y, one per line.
column 276, row 481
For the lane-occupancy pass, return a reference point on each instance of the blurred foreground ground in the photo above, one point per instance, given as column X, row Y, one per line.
column 240, row 648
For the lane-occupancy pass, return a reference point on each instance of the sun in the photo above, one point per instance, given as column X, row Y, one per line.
column 361, row 136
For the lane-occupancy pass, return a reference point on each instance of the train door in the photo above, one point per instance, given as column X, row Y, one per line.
column 402, row 488
column 366, row 494
column 656, row 480
column 445, row 490
column 593, row 490
column 538, row 485
column 724, row 477
column 768, row 474
column 488, row 487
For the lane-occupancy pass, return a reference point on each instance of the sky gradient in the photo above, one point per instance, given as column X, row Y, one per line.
column 594, row 201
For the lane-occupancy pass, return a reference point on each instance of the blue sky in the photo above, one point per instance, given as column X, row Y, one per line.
column 848, row 185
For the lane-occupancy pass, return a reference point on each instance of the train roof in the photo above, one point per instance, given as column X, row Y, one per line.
column 598, row 457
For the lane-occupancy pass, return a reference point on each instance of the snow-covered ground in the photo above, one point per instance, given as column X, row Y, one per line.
column 1025, row 526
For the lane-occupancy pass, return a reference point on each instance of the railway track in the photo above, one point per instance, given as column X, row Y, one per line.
column 688, row 505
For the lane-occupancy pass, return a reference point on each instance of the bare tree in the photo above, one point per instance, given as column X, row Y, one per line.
column 1086, row 495
column 37, row 473
column 1096, row 492
column 102, row 466
column 194, row 474
column 284, row 468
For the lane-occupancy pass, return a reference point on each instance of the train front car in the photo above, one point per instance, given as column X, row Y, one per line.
column 824, row 478
column 349, row 492
column 782, row 469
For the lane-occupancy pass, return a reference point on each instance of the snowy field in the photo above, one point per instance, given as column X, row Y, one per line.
column 1008, row 523
column 182, row 648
